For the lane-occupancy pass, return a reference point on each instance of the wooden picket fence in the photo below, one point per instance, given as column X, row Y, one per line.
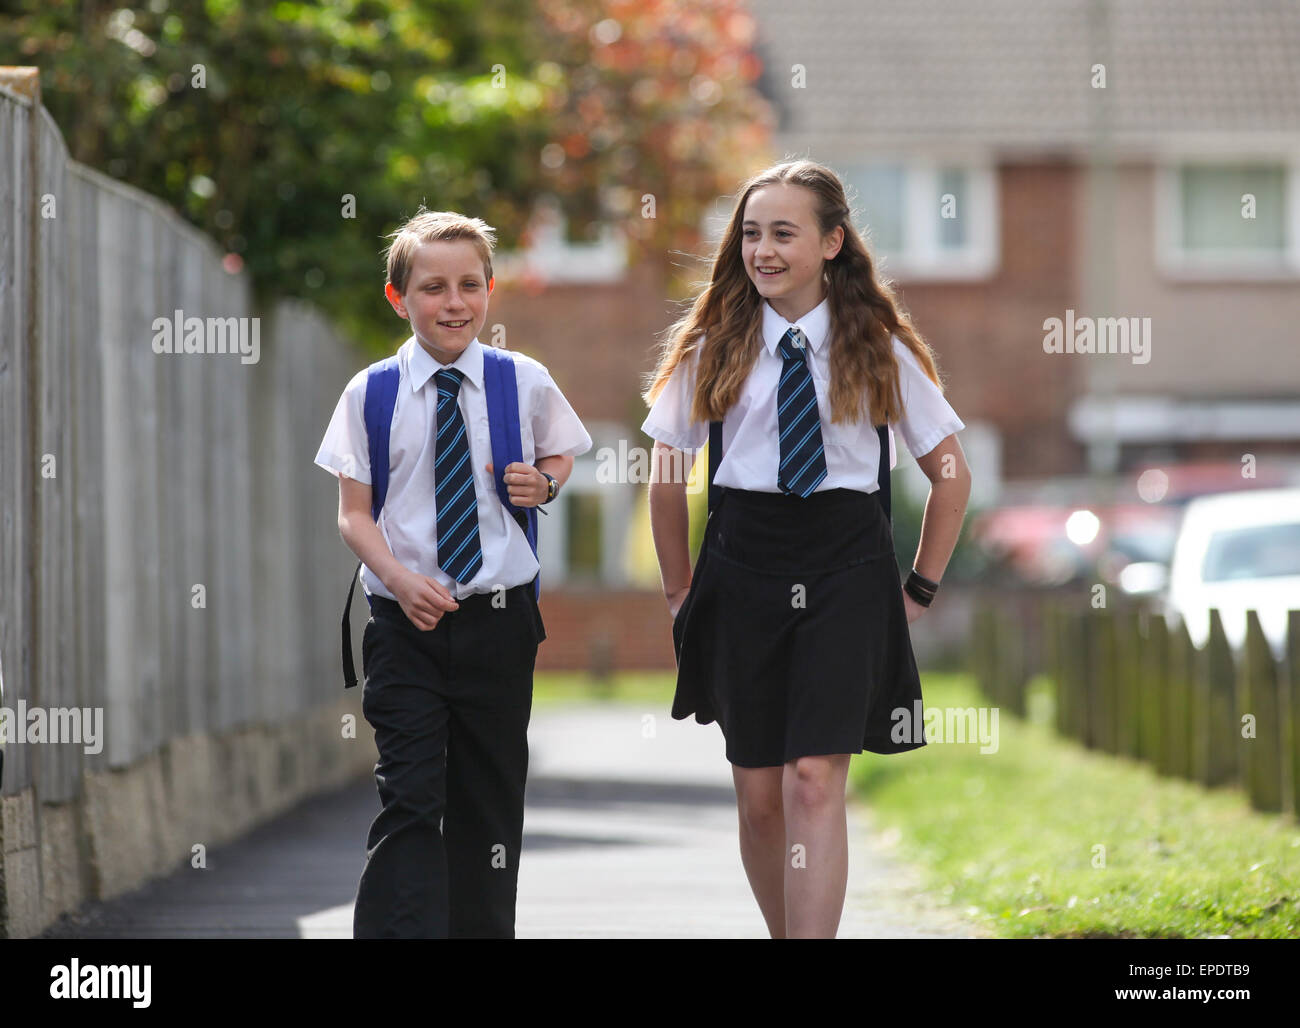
column 1127, row 683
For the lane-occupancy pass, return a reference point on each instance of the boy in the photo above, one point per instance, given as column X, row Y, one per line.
column 449, row 649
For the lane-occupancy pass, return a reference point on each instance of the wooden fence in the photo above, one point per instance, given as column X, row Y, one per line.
column 1126, row 682
column 168, row 550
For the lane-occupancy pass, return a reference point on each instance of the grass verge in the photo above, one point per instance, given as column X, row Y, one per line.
column 1044, row 838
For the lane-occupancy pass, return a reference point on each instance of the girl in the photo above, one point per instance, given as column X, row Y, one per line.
column 793, row 634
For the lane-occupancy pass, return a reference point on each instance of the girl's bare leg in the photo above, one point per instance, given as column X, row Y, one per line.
column 762, row 839
column 816, row 858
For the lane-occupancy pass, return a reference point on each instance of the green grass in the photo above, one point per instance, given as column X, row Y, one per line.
column 1044, row 838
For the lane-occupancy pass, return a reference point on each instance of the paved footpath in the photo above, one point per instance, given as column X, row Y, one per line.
column 630, row 832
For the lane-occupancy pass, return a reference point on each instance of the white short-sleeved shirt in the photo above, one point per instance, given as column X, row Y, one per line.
column 409, row 521
column 750, row 441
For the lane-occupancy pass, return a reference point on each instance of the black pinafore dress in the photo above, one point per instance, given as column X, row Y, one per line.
column 793, row 636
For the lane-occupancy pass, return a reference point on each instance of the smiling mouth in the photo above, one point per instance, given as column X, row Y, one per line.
column 454, row 324
column 770, row 272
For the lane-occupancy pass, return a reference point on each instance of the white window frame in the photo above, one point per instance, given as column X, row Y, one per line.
column 922, row 258
column 617, row 504
column 1232, row 265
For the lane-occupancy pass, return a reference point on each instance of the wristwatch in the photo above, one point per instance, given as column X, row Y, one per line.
column 552, row 489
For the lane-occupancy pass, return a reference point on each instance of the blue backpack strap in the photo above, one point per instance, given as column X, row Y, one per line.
column 381, row 399
column 502, row 393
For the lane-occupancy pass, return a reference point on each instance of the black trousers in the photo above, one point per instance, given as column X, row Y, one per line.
column 450, row 710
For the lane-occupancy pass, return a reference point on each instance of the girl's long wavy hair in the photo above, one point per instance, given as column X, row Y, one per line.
column 864, row 313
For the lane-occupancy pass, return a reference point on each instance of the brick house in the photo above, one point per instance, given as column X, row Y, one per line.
column 1013, row 161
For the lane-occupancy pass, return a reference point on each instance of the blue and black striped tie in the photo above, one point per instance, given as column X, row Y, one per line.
column 803, row 461
column 459, row 552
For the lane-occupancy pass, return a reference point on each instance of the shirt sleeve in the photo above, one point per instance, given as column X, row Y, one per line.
column 927, row 418
column 345, row 450
column 669, row 420
column 557, row 429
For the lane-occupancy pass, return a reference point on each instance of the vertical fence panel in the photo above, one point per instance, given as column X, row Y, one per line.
column 195, row 442
column 1155, row 649
column 119, row 561
column 1104, row 691
column 240, row 439
column 1051, row 648
column 143, row 468
column 54, row 686
column 1260, row 697
column 173, row 599
column 1224, row 728
column 283, row 603
column 17, row 618
column 219, row 412
column 1018, row 626
column 1065, row 658
column 86, row 611
column 1129, row 687
column 1081, row 642
column 1177, row 709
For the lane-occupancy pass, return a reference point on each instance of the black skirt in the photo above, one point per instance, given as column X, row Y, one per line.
column 794, row 637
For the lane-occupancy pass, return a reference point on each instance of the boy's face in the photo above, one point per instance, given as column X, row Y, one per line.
column 783, row 248
column 446, row 297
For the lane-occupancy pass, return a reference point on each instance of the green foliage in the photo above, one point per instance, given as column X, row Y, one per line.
column 256, row 119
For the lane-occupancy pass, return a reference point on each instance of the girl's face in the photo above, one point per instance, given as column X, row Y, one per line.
column 784, row 250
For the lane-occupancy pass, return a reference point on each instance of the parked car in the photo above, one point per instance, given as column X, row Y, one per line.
column 1237, row 551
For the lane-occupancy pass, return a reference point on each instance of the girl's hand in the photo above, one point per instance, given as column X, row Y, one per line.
column 914, row 609
column 675, row 600
column 526, row 486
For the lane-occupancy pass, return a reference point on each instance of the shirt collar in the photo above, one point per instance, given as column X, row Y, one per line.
column 421, row 367
column 816, row 325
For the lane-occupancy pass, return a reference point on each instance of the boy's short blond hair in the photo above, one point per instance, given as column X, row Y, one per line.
column 433, row 226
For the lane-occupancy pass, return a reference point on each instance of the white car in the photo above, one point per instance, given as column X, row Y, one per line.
column 1237, row 551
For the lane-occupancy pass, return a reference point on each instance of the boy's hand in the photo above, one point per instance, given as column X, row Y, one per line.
column 423, row 600
column 526, row 486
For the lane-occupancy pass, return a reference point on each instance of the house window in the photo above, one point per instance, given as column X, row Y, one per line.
column 583, row 539
column 1229, row 220
column 584, row 542
column 881, row 196
column 927, row 220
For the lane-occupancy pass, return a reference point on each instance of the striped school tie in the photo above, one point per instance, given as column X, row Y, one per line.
column 803, row 461
column 459, row 552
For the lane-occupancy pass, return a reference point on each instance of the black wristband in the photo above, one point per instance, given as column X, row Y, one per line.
column 919, row 592
column 932, row 586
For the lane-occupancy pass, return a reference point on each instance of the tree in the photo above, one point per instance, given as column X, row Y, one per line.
column 298, row 134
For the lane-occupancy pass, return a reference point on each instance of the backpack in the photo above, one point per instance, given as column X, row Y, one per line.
column 502, row 391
